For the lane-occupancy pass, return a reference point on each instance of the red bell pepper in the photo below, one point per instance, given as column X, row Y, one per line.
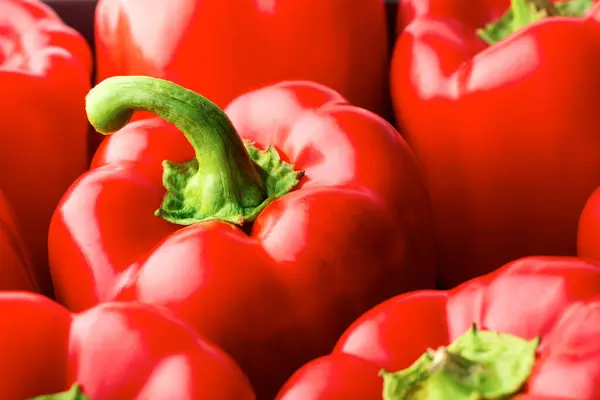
column 530, row 328
column 45, row 69
column 16, row 272
column 222, row 49
column 507, row 131
column 114, row 351
column 331, row 211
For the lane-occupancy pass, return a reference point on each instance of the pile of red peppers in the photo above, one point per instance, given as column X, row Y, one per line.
column 301, row 200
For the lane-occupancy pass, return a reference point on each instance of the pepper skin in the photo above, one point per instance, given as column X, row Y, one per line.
column 222, row 49
column 554, row 298
column 44, row 77
column 588, row 235
column 507, row 133
column 15, row 264
column 115, row 351
column 279, row 291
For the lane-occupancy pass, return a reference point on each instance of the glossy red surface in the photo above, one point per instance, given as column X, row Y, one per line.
column 507, row 134
column 356, row 231
column 222, row 49
column 45, row 69
column 555, row 298
column 114, row 351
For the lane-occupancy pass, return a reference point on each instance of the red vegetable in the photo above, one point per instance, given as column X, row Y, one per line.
column 315, row 249
column 507, row 132
column 44, row 76
column 15, row 264
column 222, row 49
column 553, row 298
column 113, row 351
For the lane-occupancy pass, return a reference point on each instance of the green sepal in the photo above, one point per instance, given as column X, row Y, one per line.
column 481, row 365
column 74, row 393
column 523, row 12
column 181, row 206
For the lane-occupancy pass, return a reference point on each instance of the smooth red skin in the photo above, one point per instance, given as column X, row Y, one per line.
column 507, row 134
column 557, row 298
column 222, row 49
column 356, row 231
column 116, row 351
column 588, row 235
column 44, row 77
column 16, row 272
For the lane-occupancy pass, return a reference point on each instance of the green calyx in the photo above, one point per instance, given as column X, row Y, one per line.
column 524, row 12
column 74, row 393
column 228, row 180
column 180, row 204
column 480, row 365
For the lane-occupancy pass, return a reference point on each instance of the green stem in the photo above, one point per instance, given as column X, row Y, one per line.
column 546, row 5
column 524, row 12
column 527, row 11
column 223, row 182
column 74, row 393
column 478, row 365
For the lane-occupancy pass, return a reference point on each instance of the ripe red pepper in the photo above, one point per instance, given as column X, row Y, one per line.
column 222, row 49
column 16, row 272
column 305, row 262
column 112, row 351
column 45, row 69
column 507, row 132
column 494, row 323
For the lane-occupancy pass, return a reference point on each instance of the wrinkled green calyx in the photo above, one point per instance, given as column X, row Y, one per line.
column 180, row 204
column 228, row 180
column 480, row 365
column 74, row 393
column 524, row 12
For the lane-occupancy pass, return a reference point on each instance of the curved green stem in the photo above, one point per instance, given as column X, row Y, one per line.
column 223, row 182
